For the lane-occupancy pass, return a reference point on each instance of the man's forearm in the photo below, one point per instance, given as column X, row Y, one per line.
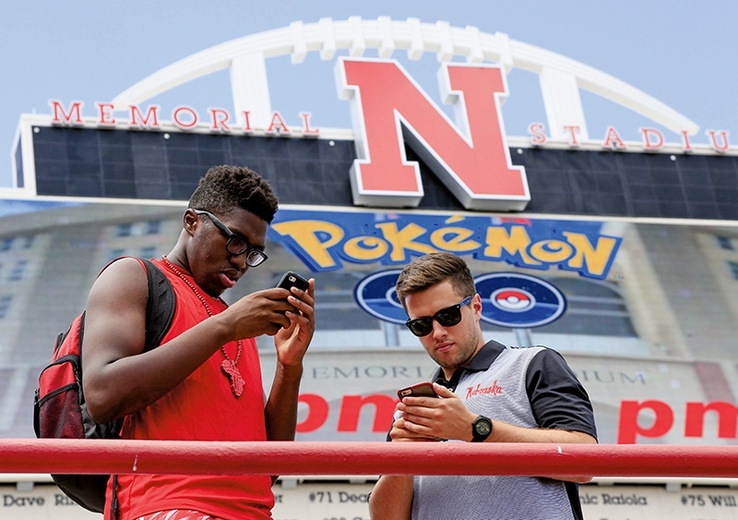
column 392, row 498
column 281, row 406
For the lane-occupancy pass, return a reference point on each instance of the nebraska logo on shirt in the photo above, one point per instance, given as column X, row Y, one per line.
column 478, row 390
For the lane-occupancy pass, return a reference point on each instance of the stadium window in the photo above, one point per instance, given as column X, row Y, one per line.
column 725, row 242
column 594, row 308
column 28, row 241
column 148, row 252
column 153, row 227
column 19, row 270
column 734, row 269
column 124, row 230
column 5, row 305
column 6, row 244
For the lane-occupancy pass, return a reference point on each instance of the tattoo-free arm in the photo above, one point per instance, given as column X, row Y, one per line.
column 391, row 498
column 291, row 343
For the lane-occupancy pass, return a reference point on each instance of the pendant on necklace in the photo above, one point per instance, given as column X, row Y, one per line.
column 230, row 369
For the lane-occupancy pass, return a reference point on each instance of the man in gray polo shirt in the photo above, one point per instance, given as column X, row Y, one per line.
column 488, row 393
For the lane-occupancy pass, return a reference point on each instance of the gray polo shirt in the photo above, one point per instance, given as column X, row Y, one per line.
column 532, row 387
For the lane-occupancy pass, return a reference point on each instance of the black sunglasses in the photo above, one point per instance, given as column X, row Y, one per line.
column 236, row 245
column 447, row 317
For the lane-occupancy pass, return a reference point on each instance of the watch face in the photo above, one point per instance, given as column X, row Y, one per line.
column 483, row 427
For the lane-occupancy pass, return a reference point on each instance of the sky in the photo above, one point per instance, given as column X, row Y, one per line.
column 680, row 52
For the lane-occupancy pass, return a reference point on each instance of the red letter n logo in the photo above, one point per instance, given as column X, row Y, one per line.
column 470, row 157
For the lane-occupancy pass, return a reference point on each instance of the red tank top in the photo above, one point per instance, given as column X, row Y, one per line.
column 200, row 408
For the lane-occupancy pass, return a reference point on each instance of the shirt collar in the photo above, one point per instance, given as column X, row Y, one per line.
column 480, row 362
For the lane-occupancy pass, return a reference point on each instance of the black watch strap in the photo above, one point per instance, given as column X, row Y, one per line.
column 481, row 428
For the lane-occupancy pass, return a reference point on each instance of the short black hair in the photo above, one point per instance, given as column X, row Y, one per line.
column 224, row 188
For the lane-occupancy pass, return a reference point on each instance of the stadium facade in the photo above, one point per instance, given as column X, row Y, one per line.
column 621, row 255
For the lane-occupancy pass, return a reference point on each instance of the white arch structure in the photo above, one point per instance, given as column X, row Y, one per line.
column 560, row 77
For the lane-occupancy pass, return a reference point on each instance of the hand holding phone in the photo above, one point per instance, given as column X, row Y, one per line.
column 424, row 389
column 292, row 279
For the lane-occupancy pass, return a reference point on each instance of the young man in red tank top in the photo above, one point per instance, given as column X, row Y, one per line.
column 203, row 382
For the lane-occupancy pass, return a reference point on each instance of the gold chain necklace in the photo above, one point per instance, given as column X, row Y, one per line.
column 229, row 366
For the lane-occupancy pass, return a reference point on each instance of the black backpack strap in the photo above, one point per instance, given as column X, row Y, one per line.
column 160, row 305
column 114, row 505
column 159, row 315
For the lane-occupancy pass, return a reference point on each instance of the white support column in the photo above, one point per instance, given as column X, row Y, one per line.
column 563, row 103
column 250, row 88
column 329, row 46
column 358, row 45
column 417, row 43
column 387, row 47
column 445, row 40
column 299, row 47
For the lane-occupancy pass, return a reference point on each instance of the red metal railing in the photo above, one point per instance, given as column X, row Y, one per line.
column 371, row 458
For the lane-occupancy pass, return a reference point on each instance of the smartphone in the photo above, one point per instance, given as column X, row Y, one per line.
column 292, row 279
column 424, row 389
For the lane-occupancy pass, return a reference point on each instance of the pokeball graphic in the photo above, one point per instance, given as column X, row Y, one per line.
column 518, row 300
column 376, row 295
column 512, row 300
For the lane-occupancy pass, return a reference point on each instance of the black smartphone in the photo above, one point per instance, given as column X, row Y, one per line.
column 292, row 279
column 424, row 389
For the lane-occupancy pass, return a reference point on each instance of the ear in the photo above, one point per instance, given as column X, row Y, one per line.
column 477, row 305
column 190, row 221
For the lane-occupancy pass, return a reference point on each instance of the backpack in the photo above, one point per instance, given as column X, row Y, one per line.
column 59, row 408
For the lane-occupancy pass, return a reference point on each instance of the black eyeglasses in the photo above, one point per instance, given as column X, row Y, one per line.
column 236, row 244
column 447, row 317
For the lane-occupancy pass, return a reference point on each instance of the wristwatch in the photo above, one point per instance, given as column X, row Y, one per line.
column 481, row 428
